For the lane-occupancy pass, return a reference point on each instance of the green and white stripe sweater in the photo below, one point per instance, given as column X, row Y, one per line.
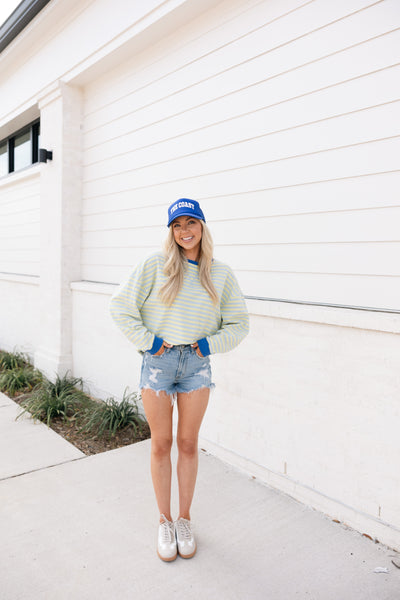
column 138, row 311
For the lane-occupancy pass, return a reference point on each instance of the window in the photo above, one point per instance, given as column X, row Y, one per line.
column 20, row 150
column 3, row 159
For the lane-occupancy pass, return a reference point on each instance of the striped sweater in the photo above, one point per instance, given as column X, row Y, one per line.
column 138, row 311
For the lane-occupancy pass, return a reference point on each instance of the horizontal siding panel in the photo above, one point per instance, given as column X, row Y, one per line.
column 115, row 257
column 359, row 60
column 375, row 157
column 145, row 237
column 374, row 191
column 24, row 256
column 378, row 258
column 291, row 37
column 28, row 178
column 20, row 231
column 356, row 128
column 105, row 274
column 174, row 51
column 345, row 258
column 20, row 205
column 20, row 242
column 174, row 135
column 346, row 226
column 19, row 197
column 199, row 39
column 134, row 217
column 20, row 268
column 19, row 190
column 18, row 218
column 351, row 290
column 20, row 226
column 147, row 207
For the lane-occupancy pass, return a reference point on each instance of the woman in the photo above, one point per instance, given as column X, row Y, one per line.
column 178, row 308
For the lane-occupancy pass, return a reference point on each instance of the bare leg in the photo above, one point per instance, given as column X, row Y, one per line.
column 158, row 411
column 191, row 409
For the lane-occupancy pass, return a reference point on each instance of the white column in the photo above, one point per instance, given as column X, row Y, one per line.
column 60, row 197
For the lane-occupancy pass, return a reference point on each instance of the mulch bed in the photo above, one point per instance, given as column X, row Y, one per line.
column 89, row 444
column 92, row 445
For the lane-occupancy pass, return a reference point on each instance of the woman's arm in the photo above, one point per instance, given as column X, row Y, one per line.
column 234, row 320
column 127, row 301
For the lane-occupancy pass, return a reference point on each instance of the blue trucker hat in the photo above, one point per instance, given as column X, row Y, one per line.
column 185, row 207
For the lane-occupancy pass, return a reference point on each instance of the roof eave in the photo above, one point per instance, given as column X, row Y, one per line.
column 25, row 12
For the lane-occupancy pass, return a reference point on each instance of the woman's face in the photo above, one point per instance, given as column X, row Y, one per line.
column 187, row 233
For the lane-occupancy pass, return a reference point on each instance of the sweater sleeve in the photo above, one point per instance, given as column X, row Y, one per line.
column 127, row 302
column 234, row 320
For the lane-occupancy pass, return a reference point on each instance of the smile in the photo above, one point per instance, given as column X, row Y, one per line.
column 187, row 239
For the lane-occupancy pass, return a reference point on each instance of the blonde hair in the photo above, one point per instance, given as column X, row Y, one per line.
column 176, row 265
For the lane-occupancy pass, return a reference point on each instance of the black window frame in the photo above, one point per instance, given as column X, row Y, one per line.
column 34, row 131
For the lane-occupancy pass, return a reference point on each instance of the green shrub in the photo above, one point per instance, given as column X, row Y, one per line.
column 61, row 399
column 19, row 379
column 110, row 415
column 12, row 360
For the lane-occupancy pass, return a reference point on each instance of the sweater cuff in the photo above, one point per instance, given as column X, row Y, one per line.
column 158, row 342
column 204, row 346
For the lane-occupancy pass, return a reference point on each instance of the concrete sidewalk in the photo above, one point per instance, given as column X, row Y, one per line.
column 84, row 528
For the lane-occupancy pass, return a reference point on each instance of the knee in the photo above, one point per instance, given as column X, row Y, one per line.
column 161, row 447
column 186, row 446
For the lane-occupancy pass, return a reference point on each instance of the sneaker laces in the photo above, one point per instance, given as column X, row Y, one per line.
column 184, row 528
column 167, row 530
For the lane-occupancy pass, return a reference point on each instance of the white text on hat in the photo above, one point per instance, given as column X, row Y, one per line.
column 181, row 205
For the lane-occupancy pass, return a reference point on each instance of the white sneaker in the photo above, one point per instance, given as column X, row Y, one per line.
column 166, row 546
column 184, row 536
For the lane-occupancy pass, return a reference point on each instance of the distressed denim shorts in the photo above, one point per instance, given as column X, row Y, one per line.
column 177, row 369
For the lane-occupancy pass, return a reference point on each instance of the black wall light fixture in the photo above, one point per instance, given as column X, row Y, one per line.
column 45, row 155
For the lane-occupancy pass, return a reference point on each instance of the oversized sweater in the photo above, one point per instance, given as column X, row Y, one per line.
column 138, row 311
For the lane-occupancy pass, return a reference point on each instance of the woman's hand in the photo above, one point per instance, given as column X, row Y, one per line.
column 196, row 347
column 162, row 349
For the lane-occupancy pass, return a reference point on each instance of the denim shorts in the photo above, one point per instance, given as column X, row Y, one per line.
column 177, row 369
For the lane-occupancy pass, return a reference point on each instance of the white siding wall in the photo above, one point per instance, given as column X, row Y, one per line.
column 19, row 310
column 282, row 118
column 19, row 223
column 19, row 260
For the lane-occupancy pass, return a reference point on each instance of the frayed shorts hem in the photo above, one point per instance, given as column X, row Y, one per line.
column 174, row 392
